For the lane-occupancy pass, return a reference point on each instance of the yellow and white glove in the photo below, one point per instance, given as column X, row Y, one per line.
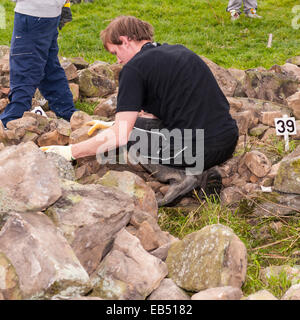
column 64, row 151
column 98, row 125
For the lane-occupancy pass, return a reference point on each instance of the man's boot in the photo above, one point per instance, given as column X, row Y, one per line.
column 180, row 183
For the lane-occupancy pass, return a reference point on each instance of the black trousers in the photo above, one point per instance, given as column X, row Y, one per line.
column 148, row 139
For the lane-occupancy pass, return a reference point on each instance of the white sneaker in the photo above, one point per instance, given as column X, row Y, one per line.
column 234, row 15
column 252, row 14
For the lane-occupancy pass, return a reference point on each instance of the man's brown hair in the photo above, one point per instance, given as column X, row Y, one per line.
column 132, row 27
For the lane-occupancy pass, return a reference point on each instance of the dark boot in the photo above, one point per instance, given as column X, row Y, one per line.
column 214, row 182
column 180, row 183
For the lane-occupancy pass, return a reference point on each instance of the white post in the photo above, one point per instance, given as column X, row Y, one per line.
column 270, row 40
column 286, row 137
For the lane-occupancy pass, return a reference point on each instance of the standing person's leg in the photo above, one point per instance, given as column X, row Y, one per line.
column 25, row 72
column 250, row 7
column 54, row 86
column 249, row 4
column 234, row 7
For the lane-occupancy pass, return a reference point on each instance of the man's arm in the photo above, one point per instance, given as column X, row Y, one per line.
column 108, row 139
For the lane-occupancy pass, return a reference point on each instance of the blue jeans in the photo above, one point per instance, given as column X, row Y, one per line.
column 34, row 64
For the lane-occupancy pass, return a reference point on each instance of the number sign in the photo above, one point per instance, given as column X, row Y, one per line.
column 285, row 126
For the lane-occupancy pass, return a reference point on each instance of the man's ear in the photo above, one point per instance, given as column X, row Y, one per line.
column 124, row 40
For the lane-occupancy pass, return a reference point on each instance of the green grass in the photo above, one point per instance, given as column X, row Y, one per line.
column 265, row 245
column 203, row 26
column 86, row 107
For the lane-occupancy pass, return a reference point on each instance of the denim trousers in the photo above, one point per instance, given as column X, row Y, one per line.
column 34, row 64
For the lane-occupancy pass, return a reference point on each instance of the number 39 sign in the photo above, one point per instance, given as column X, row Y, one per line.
column 284, row 127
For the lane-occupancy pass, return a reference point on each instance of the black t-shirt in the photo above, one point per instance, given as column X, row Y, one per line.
column 176, row 85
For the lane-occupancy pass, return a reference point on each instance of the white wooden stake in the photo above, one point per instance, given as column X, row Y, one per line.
column 286, row 137
column 270, row 40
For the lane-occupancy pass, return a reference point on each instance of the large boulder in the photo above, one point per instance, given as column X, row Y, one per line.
column 89, row 217
column 92, row 84
column 36, row 261
column 288, row 175
column 211, row 257
column 267, row 85
column 28, row 181
column 128, row 271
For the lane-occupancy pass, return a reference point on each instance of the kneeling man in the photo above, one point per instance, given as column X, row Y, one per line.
column 171, row 113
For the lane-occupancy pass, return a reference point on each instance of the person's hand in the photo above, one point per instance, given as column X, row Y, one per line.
column 64, row 151
column 98, row 125
column 66, row 15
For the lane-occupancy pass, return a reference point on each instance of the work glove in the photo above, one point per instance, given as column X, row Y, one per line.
column 66, row 15
column 64, row 151
column 98, row 125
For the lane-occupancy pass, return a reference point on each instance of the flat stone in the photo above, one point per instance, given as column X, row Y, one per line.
column 168, row 290
column 261, row 295
column 128, row 271
column 220, row 293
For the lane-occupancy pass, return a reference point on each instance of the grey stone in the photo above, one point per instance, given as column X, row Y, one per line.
column 211, row 257
column 64, row 168
column 36, row 261
column 168, row 290
column 261, row 295
column 89, row 217
column 219, row 293
column 28, row 181
column 128, row 271
column 293, row 293
column 288, row 175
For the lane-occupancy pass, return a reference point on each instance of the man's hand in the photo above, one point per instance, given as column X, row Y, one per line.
column 64, row 151
column 66, row 15
column 97, row 125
